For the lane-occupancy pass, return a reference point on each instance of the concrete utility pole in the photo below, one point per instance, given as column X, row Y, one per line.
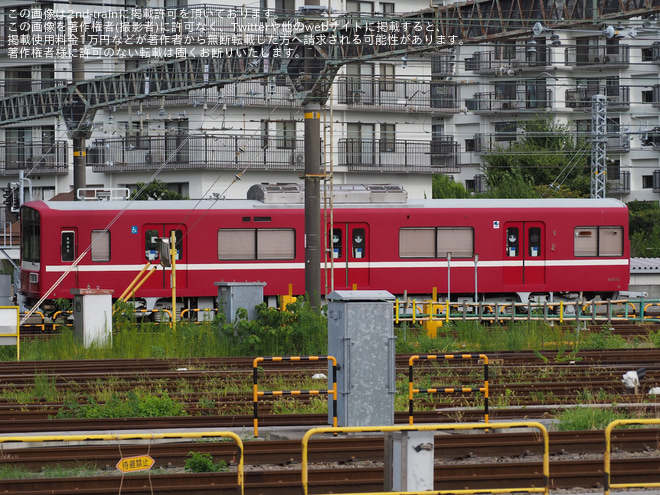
column 78, row 75
column 598, row 146
column 312, row 179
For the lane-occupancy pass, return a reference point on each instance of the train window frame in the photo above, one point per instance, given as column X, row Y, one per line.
column 597, row 247
column 454, row 244
column 100, row 246
column 240, row 245
column 417, row 242
column 278, row 244
column 513, row 243
column 255, row 244
column 610, row 249
column 151, row 244
column 68, row 246
column 31, row 235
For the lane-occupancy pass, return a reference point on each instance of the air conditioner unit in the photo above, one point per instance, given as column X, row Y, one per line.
column 611, row 59
column 298, row 159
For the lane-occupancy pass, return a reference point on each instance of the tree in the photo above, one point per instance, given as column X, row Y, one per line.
column 545, row 160
column 644, row 228
column 444, row 186
column 154, row 190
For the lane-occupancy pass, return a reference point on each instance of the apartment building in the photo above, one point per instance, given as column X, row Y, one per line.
column 393, row 120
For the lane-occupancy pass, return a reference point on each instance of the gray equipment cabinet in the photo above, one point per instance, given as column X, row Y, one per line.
column 361, row 338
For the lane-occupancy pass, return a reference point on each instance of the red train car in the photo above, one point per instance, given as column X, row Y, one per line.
column 378, row 239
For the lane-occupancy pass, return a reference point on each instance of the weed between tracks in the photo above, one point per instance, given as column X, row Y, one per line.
column 300, row 331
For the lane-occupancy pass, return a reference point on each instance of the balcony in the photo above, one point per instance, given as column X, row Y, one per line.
column 195, row 152
column 620, row 184
column 518, row 101
column 502, row 141
column 580, row 98
column 36, row 157
column 382, row 155
column 616, row 141
column 398, row 95
column 238, row 152
column 598, row 57
column 522, row 59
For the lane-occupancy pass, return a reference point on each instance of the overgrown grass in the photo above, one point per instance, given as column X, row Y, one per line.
column 587, row 417
column 298, row 331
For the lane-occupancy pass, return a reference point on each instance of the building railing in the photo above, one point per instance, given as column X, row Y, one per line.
column 620, row 184
column 36, row 157
column 13, row 86
column 397, row 94
column 656, row 181
column 237, row 152
column 520, row 59
column 521, row 100
column 597, row 57
column 9, row 237
column 384, row 155
column 618, row 97
column 198, row 151
column 487, row 142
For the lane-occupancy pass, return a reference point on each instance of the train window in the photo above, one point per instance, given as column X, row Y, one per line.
column 512, row 242
column 30, row 234
column 178, row 242
column 417, row 243
column 100, row 245
column 359, row 243
column 236, row 244
column 534, row 242
column 68, row 245
column 276, row 244
column 151, row 244
column 336, row 244
column 459, row 241
column 598, row 241
column 610, row 241
column 586, row 241
column 253, row 244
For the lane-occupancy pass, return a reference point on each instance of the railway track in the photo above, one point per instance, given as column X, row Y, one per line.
column 520, row 386
column 517, row 380
column 478, row 462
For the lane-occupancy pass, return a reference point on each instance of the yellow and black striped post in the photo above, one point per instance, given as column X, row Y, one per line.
column 256, row 393
column 447, row 390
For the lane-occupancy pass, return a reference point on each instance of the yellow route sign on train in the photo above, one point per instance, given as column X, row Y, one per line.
column 136, row 463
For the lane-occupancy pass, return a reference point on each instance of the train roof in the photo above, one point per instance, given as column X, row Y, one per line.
column 290, row 195
column 243, row 204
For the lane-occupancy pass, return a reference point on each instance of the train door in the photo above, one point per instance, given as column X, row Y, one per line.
column 524, row 253
column 350, row 255
column 152, row 232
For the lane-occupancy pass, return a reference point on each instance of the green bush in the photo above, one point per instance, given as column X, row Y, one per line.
column 130, row 406
column 203, row 463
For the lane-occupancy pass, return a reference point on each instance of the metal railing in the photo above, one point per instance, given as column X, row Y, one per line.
column 530, row 57
column 256, row 393
column 385, row 155
column 36, row 157
column 519, row 100
column 397, row 94
column 543, row 478
column 597, row 57
column 618, row 97
column 198, row 151
column 641, row 310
